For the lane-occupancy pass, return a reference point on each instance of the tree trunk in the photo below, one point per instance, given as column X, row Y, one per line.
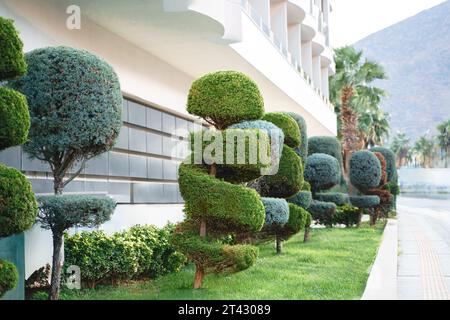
column 358, row 224
column 56, row 267
column 307, row 235
column 58, row 185
column 279, row 243
column 373, row 218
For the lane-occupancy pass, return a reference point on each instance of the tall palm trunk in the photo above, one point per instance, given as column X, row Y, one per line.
column 349, row 130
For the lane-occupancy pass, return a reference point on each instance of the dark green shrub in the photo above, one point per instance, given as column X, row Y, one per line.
column 75, row 106
column 322, row 171
column 277, row 213
column 12, row 62
column 330, row 146
column 364, row 202
column 296, row 222
column 288, row 125
column 302, row 199
column 322, row 212
column 301, row 150
column 9, row 277
column 365, row 170
column 391, row 167
column 225, row 98
column 337, row 198
column 18, row 207
column 288, row 180
column 347, row 215
column 14, row 118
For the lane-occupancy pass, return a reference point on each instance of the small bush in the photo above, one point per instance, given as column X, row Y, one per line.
column 364, row 202
column 322, row 171
column 302, row 199
column 18, row 207
column 12, row 62
column 277, row 212
column 365, row 170
column 141, row 252
column 337, row 198
column 9, row 277
column 322, row 212
column 301, row 150
column 14, row 118
column 288, row 125
column 347, row 215
column 225, row 98
column 391, row 167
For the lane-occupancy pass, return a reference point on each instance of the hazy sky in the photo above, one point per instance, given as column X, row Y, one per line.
column 353, row 20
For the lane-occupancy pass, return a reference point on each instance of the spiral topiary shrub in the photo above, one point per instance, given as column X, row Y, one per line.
column 12, row 62
column 365, row 170
column 288, row 125
column 18, row 207
column 9, row 277
column 302, row 149
column 322, row 172
column 224, row 98
column 298, row 218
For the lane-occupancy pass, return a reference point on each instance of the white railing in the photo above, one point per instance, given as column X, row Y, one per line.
column 268, row 33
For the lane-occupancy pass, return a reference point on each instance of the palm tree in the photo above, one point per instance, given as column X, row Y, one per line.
column 400, row 146
column 424, row 148
column 373, row 127
column 444, row 139
column 353, row 77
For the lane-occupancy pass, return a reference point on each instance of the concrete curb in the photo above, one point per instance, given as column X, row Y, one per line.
column 382, row 282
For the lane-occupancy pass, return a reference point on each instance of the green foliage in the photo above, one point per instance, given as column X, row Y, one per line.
column 14, row 118
column 322, row 171
column 277, row 213
column 12, row 62
column 225, row 98
column 393, row 188
column 365, row 170
column 62, row 212
column 302, row 199
column 140, row 252
column 301, row 150
column 337, row 198
column 306, row 186
column 322, row 212
column 9, row 277
column 364, row 202
column 327, row 145
column 75, row 105
column 297, row 219
column 347, row 215
column 289, row 126
column 390, row 158
column 18, row 208
column 288, row 180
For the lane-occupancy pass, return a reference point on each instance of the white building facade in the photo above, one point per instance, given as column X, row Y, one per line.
column 158, row 48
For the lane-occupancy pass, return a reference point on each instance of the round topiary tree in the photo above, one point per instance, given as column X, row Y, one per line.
column 302, row 149
column 18, row 206
column 75, row 106
column 289, row 126
column 216, row 208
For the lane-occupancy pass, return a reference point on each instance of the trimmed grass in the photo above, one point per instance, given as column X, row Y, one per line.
column 334, row 265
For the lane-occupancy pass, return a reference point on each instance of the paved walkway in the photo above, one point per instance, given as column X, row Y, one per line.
column 423, row 270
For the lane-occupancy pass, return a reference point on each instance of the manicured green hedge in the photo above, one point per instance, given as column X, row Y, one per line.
column 364, row 202
column 14, row 118
column 347, row 215
column 302, row 150
column 365, row 170
column 337, row 198
column 225, row 98
column 391, row 167
column 288, row 180
column 18, row 207
column 297, row 220
column 288, row 125
column 322, row 212
column 322, row 171
column 9, row 277
column 302, row 199
column 277, row 212
column 140, row 252
column 74, row 99
column 12, row 62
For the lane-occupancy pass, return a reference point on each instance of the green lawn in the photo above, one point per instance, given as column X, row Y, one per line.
column 334, row 265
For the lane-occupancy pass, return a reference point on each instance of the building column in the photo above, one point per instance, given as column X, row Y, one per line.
column 316, row 71
column 262, row 8
column 295, row 42
column 307, row 58
column 278, row 21
column 325, row 84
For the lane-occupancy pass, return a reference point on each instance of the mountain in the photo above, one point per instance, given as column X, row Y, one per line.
column 416, row 56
